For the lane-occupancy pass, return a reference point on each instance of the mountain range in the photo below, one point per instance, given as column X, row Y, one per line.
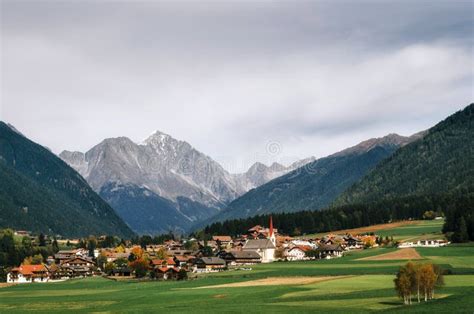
column 317, row 184
column 164, row 184
column 430, row 172
column 41, row 193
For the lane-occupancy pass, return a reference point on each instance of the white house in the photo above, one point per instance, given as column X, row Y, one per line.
column 297, row 253
column 305, row 243
column 424, row 243
column 28, row 274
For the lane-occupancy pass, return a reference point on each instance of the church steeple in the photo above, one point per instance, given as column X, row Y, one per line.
column 271, row 227
column 271, row 233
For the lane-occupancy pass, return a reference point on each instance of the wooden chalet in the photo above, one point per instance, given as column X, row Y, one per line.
column 242, row 257
column 167, row 273
column 209, row 264
column 28, row 274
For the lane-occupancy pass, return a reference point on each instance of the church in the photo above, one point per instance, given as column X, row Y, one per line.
column 264, row 247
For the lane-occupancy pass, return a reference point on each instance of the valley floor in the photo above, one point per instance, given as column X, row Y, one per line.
column 356, row 285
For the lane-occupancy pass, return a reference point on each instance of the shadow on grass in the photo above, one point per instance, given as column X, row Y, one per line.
column 391, row 303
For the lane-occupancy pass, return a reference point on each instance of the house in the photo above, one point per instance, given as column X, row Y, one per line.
column 28, row 274
column 211, row 243
column 172, row 245
column 122, row 271
column 112, row 256
column 329, row 251
column 352, row 243
column 223, row 241
column 238, row 245
column 242, row 257
column 167, row 273
column 180, row 252
column 23, row 233
column 298, row 242
column 159, row 263
column 332, row 239
column 209, row 264
column 259, row 232
column 183, row 260
column 264, row 247
column 56, row 272
column 254, row 229
column 424, row 243
column 80, row 266
column 297, row 253
column 64, row 255
column 79, row 262
column 283, row 240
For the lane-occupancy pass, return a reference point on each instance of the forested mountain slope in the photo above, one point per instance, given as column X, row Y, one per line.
column 41, row 193
column 316, row 184
column 441, row 162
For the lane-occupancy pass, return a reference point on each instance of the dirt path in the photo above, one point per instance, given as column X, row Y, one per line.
column 275, row 281
column 409, row 253
column 4, row 284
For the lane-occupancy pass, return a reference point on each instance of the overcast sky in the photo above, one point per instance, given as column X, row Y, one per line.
column 234, row 79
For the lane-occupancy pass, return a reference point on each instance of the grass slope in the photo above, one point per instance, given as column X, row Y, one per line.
column 400, row 231
column 366, row 286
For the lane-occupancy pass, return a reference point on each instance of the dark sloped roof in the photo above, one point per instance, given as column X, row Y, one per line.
column 245, row 254
column 258, row 244
column 212, row 260
column 327, row 247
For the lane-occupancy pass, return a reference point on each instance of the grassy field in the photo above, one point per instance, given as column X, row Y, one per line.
column 350, row 285
column 401, row 231
column 422, row 230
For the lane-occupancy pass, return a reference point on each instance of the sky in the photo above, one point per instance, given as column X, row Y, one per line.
column 241, row 81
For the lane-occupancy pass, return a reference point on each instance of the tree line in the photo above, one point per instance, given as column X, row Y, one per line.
column 455, row 207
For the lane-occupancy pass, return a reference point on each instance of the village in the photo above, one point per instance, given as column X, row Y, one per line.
column 177, row 259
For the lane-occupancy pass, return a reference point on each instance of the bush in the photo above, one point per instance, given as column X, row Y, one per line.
column 182, row 274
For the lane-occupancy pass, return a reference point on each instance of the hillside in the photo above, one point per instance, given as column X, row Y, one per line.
column 40, row 193
column 441, row 162
column 316, row 184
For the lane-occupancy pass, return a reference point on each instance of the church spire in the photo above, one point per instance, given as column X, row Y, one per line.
column 271, row 232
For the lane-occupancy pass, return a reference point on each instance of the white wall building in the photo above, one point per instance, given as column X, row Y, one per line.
column 28, row 274
column 424, row 243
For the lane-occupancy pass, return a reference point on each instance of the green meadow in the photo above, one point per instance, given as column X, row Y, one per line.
column 350, row 285
column 422, row 230
column 416, row 230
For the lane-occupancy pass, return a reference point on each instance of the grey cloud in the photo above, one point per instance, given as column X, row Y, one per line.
column 230, row 77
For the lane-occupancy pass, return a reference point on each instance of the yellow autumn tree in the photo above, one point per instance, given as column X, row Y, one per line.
column 138, row 261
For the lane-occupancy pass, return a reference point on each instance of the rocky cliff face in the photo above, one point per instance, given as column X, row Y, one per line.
column 168, row 167
column 165, row 168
